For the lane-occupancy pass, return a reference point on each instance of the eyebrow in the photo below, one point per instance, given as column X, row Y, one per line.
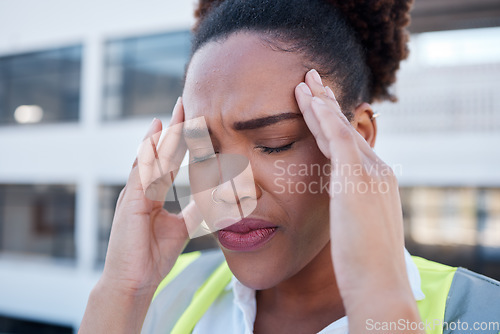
column 265, row 121
column 244, row 125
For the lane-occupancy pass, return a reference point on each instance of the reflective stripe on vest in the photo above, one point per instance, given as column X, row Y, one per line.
column 174, row 298
column 182, row 262
column 436, row 281
column 451, row 295
column 203, row 298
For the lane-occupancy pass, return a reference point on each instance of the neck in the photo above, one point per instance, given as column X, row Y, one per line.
column 313, row 290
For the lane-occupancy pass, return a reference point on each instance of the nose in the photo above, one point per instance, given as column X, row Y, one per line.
column 226, row 190
column 237, row 183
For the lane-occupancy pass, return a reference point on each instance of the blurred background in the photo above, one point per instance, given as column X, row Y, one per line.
column 80, row 82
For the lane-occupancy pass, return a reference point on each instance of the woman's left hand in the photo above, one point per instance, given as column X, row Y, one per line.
column 366, row 225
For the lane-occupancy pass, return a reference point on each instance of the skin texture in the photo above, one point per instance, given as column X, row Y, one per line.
column 314, row 270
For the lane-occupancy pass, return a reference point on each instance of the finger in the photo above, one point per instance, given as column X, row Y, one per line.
column 331, row 95
column 172, row 148
column 134, row 185
column 345, row 145
column 323, row 121
column 362, row 143
column 328, row 126
column 168, row 157
column 304, row 97
column 340, row 137
column 314, row 81
column 147, row 156
column 315, row 84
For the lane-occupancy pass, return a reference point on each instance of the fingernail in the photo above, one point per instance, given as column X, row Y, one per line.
column 316, row 76
column 330, row 92
column 318, row 100
column 175, row 110
column 305, row 89
column 150, row 127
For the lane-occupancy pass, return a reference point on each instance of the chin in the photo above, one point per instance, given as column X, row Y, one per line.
column 258, row 281
column 256, row 271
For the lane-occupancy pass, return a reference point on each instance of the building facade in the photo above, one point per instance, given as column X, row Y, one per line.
column 79, row 85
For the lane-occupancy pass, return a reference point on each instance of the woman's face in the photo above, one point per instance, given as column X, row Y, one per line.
column 245, row 90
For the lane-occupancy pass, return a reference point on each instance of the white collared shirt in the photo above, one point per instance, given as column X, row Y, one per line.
column 234, row 311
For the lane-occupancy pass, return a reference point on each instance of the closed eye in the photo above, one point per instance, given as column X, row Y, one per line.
column 201, row 159
column 270, row 150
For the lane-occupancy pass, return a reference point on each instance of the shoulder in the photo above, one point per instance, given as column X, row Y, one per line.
column 474, row 299
column 453, row 278
column 193, row 263
column 457, row 295
column 180, row 287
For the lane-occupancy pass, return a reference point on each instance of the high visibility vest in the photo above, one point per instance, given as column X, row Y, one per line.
column 456, row 299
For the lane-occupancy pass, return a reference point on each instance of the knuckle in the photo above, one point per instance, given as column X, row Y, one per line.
column 323, row 94
column 147, row 163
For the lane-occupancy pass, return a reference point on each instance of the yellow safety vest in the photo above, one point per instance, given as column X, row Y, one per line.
column 456, row 299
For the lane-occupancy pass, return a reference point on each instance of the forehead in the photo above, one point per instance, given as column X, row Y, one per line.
column 241, row 72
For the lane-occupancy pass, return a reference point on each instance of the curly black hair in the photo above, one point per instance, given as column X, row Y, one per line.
column 357, row 44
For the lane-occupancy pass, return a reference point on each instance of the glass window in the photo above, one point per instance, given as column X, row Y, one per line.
column 38, row 219
column 108, row 195
column 459, row 226
column 14, row 326
column 40, row 87
column 144, row 75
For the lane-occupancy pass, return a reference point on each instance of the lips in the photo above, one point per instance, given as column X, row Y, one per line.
column 247, row 234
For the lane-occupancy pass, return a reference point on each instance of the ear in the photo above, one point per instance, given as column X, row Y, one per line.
column 364, row 123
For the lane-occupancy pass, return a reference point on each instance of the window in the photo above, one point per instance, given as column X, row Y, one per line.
column 108, row 195
column 459, row 226
column 40, row 87
column 38, row 219
column 14, row 326
column 144, row 75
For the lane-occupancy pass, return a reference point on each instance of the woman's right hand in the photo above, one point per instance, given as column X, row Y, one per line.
column 145, row 239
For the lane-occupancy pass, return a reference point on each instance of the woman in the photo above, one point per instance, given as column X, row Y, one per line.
column 263, row 75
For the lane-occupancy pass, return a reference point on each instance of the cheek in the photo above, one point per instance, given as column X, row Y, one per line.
column 298, row 187
column 300, row 178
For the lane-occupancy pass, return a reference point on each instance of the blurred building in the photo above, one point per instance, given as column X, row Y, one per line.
column 79, row 85
column 442, row 138
column 81, row 81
